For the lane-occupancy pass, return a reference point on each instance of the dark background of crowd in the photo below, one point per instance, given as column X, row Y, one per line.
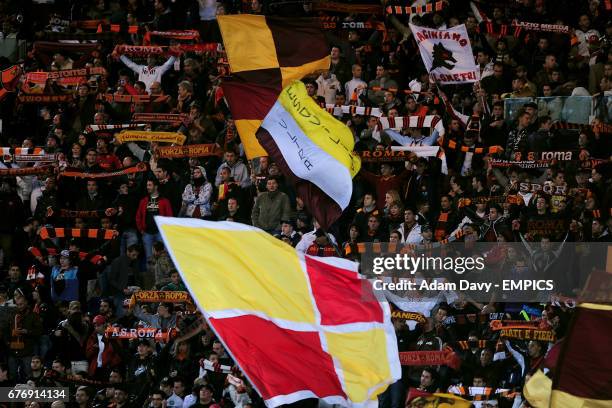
column 65, row 301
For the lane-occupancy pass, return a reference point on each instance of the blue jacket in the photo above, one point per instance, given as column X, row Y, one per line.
column 71, row 288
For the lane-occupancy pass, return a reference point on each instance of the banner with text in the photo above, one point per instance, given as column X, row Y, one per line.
column 447, row 54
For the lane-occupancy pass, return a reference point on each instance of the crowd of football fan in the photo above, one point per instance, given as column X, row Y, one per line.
column 55, row 307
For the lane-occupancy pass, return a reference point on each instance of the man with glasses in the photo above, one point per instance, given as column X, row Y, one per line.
column 157, row 399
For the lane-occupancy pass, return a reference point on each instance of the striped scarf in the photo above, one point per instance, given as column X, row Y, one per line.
column 339, row 110
column 146, row 50
column 66, row 213
column 501, row 30
column 199, row 150
column 179, row 35
column 34, row 158
column 95, row 128
column 134, row 98
column 139, row 168
column 524, row 164
column 402, row 315
column 453, row 145
column 44, row 99
column 511, row 199
column 25, row 171
column 428, row 358
column 426, row 151
column 413, row 122
column 75, row 380
column 159, row 117
column 420, row 9
column 9, row 151
column 540, row 27
column 91, row 233
column 71, row 73
column 157, row 335
column 92, row 257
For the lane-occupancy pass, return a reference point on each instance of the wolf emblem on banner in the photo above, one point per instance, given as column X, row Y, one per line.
column 440, row 57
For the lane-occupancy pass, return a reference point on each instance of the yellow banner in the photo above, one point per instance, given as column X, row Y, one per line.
column 145, row 136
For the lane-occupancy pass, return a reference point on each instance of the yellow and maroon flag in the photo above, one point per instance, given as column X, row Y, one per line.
column 265, row 54
column 583, row 374
column 298, row 326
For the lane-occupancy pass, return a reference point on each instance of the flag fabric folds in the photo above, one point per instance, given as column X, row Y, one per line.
column 583, row 373
column 9, row 78
column 584, row 369
column 447, row 54
column 424, row 399
column 298, row 326
column 313, row 150
column 265, row 54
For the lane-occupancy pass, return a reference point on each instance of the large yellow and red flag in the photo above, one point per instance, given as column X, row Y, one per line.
column 298, row 326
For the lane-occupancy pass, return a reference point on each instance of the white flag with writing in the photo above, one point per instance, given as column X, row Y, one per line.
column 447, row 54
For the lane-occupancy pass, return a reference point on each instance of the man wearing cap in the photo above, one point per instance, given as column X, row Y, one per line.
column 101, row 351
column 288, row 233
column 142, row 370
column 64, row 279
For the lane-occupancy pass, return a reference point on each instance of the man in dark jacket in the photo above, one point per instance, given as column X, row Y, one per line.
column 494, row 225
column 48, row 199
column 92, row 200
column 126, row 204
column 22, row 335
column 516, row 147
column 11, row 208
column 121, row 274
column 168, row 187
column 142, row 370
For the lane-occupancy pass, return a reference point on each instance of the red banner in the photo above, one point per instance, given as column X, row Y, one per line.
column 428, row 358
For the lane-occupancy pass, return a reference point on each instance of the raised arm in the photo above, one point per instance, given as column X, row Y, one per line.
column 167, row 65
column 130, row 64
